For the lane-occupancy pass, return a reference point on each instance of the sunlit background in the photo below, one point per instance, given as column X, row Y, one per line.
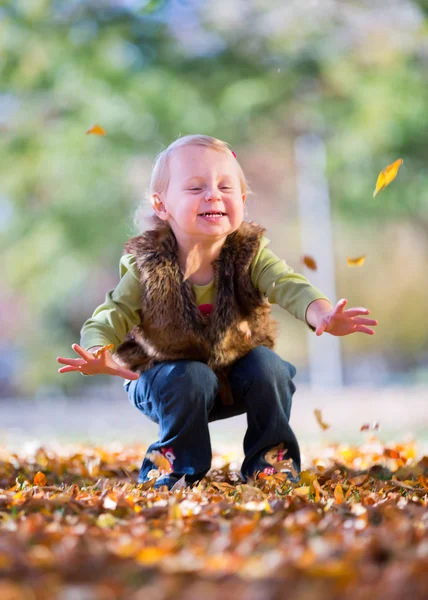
column 315, row 97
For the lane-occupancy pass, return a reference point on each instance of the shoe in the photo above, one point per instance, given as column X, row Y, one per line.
column 275, row 457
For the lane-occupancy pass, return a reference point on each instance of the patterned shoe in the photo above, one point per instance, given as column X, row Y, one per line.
column 276, row 457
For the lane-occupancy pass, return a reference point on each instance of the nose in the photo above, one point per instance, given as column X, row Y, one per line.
column 212, row 194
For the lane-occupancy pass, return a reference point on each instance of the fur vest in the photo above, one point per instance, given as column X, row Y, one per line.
column 172, row 327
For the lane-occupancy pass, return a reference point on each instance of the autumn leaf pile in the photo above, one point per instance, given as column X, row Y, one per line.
column 75, row 525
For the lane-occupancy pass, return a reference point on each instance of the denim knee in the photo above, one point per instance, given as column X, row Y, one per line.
column 264, row 363
column 190, row 378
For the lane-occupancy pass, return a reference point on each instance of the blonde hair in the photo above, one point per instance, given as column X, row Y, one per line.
column 160, row 173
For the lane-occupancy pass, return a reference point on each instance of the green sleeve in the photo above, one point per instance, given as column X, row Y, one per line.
column 120, row 311
column 278, row 281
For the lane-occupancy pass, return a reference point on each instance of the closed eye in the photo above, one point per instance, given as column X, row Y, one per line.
column 197, row 189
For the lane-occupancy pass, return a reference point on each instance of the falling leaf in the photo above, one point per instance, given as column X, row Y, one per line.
column 356, row 262
column 100, row 351
column 367, row 427
column 310, row 262
column 160, row 461
column 318, row 417
column 388, row 174
column 40, row 479
column 193, row 261
column 96, row 130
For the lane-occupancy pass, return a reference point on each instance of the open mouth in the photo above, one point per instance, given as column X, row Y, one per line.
column 212, row 215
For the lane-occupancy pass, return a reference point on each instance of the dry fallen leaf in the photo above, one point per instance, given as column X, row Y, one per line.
column 310, row 262
column 40, row 479
column 338, row 494
column 96, row 130
column 388, row 174
column 318, row 417
column 356, row 510
column 356, row 262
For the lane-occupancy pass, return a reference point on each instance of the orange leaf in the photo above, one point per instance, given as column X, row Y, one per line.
column 310, row 262
column 338, row 494
column 356, row 262
column 391, row 453
column 388, row 174
column 423, row 481
column 100, row 351
column 160, row 461
column 40, row 479
column 318, row 417
column 96, row 130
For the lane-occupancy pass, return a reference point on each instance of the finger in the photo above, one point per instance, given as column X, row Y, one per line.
column 363, row 321
column 128, row 374
column 321, row 328
column 363, row 329
column 83, row 353
column 76, row 362
column 68, row 369
column 341, row 305
column 353, row 312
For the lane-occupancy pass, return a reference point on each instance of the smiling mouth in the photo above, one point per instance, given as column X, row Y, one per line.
column 212, row 214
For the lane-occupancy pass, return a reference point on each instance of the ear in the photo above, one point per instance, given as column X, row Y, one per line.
column 244, row 197
column 159, row 207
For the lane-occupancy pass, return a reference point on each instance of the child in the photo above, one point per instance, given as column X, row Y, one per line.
column 190, row 319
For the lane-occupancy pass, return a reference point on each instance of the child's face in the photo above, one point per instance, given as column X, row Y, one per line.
column 201, row 180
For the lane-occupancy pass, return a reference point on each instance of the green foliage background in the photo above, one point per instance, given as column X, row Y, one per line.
column 254, row 73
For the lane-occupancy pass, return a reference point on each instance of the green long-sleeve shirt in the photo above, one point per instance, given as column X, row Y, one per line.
column 120, row 311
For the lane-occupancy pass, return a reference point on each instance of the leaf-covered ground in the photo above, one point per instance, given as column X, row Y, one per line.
column 75, row 526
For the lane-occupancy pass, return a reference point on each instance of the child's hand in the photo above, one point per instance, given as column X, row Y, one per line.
column 100, row 362
column 342, row 322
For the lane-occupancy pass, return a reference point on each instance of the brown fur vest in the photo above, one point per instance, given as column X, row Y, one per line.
column 172, row 326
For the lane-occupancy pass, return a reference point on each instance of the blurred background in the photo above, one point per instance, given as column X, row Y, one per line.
column 315, row 97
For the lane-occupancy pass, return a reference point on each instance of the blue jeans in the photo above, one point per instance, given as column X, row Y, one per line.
column 182, row 398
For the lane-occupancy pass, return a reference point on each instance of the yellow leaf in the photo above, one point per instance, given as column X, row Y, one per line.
column 100, row 351
column 310, row 262
column 338, row 494
column 318, row 417
column 96, row 130
column 40, row 479
column 306, row 477
column 356, row 262
column 106, row 520
column 388, row 174
column 302, row 491
column 150, row 555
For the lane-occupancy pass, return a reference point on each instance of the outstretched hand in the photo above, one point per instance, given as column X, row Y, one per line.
column 343, row 322
column 100, row 362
